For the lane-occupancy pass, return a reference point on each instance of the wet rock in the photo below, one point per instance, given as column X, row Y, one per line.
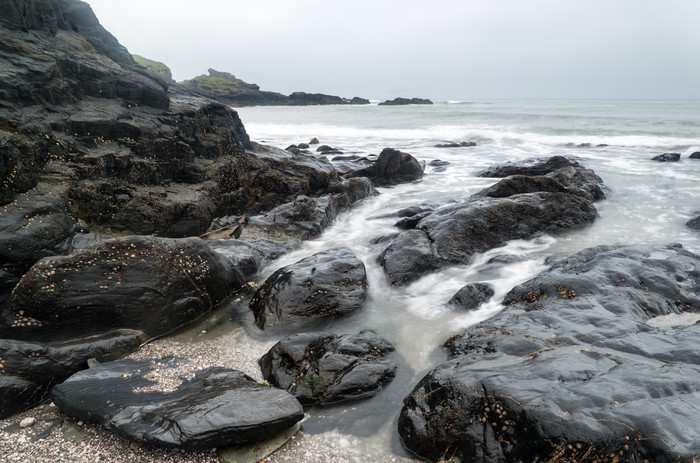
column 324, row 367
column 667, row 157
column 438, row 163
column 326, row 285
column 314, row 141
column 462, row 144
column 693, row 223
column 7, row 284
column 34, row 225
column 530, row 168
column 695, row 155
column 391, row 167
column 409, row 223
column 149, row 284
column 32, row 368
column 452, row 235
column 471, row 296
column 167, row 402
column 405, row 101
column 407, row 256
column 593, row 357
column 306, row 217
column 515, row 208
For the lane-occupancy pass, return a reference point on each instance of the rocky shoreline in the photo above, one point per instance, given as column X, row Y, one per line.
column 132, row 208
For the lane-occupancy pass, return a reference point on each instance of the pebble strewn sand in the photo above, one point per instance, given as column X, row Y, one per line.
column 55, row 437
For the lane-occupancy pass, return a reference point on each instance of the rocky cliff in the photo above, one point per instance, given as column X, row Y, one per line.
column 92, row 141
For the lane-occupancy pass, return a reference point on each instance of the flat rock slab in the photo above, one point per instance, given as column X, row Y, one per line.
column 595, row 358
column 328, row 284
column 167, row 402
column 323, row 368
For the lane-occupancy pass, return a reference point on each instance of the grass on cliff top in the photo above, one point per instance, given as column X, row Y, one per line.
column 153, row 66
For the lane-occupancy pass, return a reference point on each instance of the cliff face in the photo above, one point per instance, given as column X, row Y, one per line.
column 90, row 140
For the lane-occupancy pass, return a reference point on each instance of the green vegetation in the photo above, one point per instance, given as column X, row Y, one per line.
column 155, row 67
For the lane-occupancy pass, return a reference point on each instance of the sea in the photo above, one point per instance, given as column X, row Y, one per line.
column 646, row 202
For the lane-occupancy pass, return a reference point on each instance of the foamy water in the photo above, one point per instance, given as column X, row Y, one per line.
column 647, row 202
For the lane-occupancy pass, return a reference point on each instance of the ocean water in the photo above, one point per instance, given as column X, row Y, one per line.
column 647, row 202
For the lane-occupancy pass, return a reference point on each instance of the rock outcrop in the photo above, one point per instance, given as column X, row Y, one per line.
column 594, row 358
column 405, row 101
column 168, row 402
column 667, row 157
column 324, row 368
column 148, row 284
column 471, row 296
column 227, row 88
column 545, row 198
column 391, row 167
column 107, row 145
column 326, row 285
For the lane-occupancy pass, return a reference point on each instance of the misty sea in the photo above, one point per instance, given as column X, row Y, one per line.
column 647, row 202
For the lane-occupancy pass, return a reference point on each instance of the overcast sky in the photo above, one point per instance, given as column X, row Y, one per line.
column 440, row 49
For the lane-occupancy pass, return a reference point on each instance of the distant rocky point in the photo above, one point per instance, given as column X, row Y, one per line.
column 156, row 67
column 405, row 101
column 229, row 89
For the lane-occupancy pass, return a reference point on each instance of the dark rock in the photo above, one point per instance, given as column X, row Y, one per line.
column 414, row 210
column 471, row 296
column 591, row 358
column 695, row 155
column 314, row 141
column 409, row 223
column 358, row 100
column 456, row 145
column 405, row 101
column 667, row 157
column 36, row 224
column 438, row 163
column 39, row 366
column 134, row 154
column 306, row 217
column 329, row 284
column 217, row 407
column 325, row 149
column 312, row 99
column 546, row 174
column 693, row 223
column 249, row 255
column 149, row 284
column 451, row 235
column 531, row 167
column 7, row 284
column 229, row 89
column 324, row 368
column 303, row 146
column 391, row 167
column 292, row 148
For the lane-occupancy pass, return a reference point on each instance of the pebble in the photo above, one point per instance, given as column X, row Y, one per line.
column 27, row 422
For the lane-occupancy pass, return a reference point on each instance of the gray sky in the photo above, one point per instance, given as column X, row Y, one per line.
column 440, row 49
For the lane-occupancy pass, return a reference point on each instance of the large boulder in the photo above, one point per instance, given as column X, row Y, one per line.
column 667, row 157
column 517, row 207
column 149, row 284
column 594, row 358
column 169, row 402
column 326, row 285
column 30, row 369
column 471, row 296
column 391, row 167
column 324, row 367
